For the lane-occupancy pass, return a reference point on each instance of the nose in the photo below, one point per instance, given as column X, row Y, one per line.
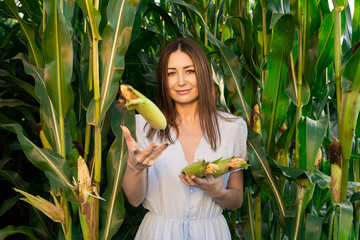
column 181, row 81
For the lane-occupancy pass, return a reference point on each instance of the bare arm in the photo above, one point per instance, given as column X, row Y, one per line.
column 230, row 198
column 135, row 179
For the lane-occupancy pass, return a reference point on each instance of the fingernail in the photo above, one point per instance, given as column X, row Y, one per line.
column 184, row 173
column 166, row 144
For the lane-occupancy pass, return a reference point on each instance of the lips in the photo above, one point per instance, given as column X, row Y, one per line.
column 183, row 92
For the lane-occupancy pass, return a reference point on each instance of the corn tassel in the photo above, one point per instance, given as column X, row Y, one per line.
column 216, row 168
column 135, row 100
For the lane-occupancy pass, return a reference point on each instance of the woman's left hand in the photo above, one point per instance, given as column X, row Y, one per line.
column 212, row 186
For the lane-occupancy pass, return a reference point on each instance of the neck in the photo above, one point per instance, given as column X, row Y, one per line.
column 188, row 113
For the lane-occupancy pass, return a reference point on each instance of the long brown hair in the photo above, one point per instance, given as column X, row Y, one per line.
column 207, row 102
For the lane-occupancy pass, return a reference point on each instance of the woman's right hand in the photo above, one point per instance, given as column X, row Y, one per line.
column 141, row 159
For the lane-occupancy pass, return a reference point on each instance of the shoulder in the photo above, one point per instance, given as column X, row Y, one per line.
column 229, row 120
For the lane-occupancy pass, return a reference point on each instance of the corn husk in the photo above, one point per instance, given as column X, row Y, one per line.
column 135, row 100
column 215, row 168
column 52, row 211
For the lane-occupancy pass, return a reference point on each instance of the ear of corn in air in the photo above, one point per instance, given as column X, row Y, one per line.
column 215, row 168
column 135, row 100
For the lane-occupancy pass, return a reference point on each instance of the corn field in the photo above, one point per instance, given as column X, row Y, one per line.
column 290, row 68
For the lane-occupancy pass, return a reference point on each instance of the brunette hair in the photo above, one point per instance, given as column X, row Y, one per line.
column 207, row 102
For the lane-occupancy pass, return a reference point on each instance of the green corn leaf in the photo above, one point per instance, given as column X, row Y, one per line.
column 55, row 166
column 291, row 92
column 112, row 210
column 290, row 173
column 35, row 54
column 15, row 179
column 264, row 176
column 356, row 23
column 16, row 103
column 219, row 81
column 310, row 39
column 93, row 15
column 10, row 230
column 350, row 103
column 116, row 38
column 302, row 191
column 343, row 219
column 31, row 9
column 244, row 26
column 339, row 3
column 313, row 227
column 231, row 68
column 170, row 27
column 247, row 215
column 58, row 54
column 311, row 135
column 48, row 116
column 24, row 85
column 275, row 101
column 68, row 11
column 9, row 203
column 326, row 43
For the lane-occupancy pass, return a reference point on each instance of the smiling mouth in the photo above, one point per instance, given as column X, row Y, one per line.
column 181, row 92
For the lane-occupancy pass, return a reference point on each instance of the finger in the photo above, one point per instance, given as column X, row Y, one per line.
column 184, row 181
column 130, row 142
column 189, row 179
column 153, row 156
column 197, row 180
column 149, row 149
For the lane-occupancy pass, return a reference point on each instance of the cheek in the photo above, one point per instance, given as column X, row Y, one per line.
column 171, row 82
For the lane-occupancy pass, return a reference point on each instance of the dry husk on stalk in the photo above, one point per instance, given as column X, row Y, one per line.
column 215, row 168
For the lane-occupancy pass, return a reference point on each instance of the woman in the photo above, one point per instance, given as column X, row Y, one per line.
column 183, row 207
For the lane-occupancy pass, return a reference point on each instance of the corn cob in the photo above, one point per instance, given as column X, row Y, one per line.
column 135, row 100
column 335, row 163
column 255, row 123
column 85, row 185
column 318, row 159
column 216, row 168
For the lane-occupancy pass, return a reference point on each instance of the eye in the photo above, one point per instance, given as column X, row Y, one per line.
column 190, row 71
column 171, row 73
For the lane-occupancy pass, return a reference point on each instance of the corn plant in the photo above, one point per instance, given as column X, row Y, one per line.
column 75, row 55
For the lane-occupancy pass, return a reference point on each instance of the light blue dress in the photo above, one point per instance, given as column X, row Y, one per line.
column 179, row 212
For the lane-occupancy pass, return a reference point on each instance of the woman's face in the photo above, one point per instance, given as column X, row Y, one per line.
column 181, row 79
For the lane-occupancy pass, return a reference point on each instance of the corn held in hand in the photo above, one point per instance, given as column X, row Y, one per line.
column 215, row 168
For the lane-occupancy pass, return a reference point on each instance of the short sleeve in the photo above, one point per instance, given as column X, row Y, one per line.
column 240, row 139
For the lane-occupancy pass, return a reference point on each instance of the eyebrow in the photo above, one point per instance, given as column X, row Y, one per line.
column 184, row 67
